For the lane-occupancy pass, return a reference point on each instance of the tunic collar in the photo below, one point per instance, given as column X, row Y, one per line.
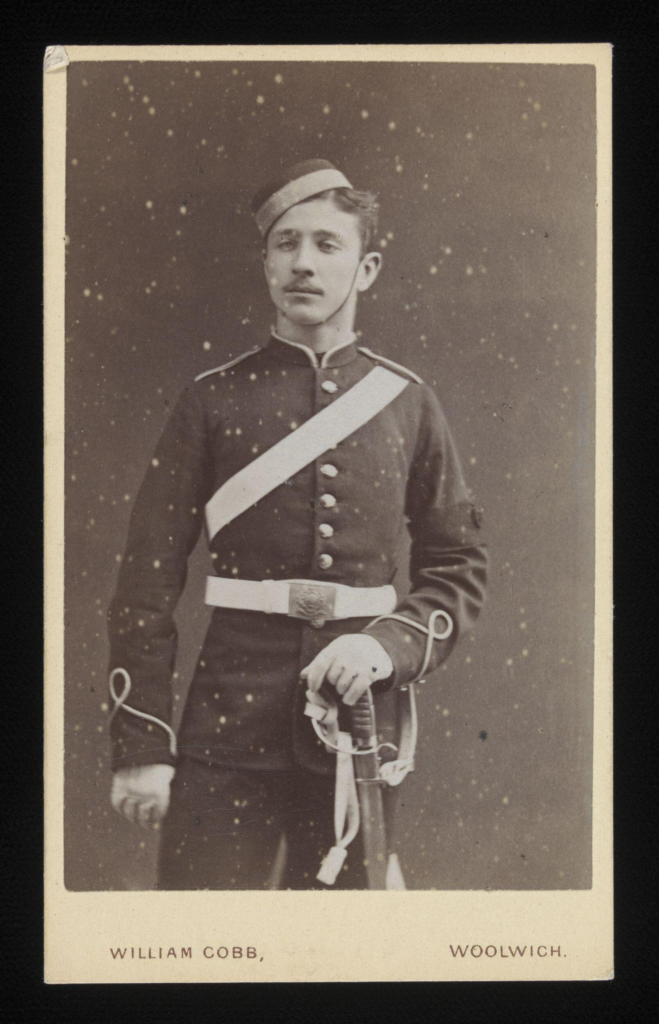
column 293, row 352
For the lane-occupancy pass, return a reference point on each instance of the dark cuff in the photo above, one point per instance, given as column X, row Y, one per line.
column 159, row 755
column 391, row 682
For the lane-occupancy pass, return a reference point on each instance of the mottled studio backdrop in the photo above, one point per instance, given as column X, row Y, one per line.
column 487, row 182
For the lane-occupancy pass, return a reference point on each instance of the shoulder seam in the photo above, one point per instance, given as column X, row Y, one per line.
column 390, row 362
column 227, row 366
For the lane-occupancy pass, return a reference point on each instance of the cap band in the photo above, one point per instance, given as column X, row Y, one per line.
column 296, row 192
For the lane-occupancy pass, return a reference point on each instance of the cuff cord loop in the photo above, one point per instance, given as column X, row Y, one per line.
column 120, row 703
column 430, row 631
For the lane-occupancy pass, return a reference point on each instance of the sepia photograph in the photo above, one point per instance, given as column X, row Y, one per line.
column 329, row 393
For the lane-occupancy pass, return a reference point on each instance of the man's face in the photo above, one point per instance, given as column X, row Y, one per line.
column 312, row 260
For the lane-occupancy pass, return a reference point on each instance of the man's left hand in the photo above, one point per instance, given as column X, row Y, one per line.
column 351, row 663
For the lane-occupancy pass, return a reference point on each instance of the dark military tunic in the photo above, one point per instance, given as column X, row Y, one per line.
column 339, row 520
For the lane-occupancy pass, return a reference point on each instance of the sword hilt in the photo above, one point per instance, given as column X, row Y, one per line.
column 362, row 721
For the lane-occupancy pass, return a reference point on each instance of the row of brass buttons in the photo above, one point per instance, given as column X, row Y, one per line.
column 325, row 561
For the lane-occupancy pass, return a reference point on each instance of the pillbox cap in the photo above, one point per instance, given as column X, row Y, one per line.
column 295, row 184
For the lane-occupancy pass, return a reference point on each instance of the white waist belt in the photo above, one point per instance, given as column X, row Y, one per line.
column 302, row 599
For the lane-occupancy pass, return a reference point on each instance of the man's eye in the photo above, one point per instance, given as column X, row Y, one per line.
column 286, row 245
column 328, row 247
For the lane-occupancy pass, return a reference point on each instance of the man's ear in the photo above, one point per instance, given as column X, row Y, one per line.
column 369, row 269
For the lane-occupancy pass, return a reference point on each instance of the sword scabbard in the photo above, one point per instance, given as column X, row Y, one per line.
column 369, row 788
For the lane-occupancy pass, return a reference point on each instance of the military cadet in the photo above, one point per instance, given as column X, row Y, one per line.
column 306, row 457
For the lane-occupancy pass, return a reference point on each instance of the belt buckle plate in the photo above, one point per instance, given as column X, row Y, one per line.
column 312, row 601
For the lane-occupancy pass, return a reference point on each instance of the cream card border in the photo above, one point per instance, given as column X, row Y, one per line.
column 318, row 936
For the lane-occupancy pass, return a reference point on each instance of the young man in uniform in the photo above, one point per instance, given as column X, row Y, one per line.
column 304, row 508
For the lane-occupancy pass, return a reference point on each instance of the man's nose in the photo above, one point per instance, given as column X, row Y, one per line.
column 303, row 262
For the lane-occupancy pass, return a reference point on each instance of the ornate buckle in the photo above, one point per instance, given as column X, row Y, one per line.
column 311, row 601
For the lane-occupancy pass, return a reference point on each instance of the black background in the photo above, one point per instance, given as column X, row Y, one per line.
column 631, row 32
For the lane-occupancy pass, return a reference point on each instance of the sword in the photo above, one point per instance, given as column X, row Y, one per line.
column 369, row 788
column 382, row 868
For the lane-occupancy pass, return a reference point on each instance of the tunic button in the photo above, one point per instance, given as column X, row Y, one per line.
column 317, row 623
column 327, row 500
column 329, row 386
column 329, row 470
column 325, row 530
column 325, row 561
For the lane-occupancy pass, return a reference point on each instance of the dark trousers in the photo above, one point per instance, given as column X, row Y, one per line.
column 225, row 829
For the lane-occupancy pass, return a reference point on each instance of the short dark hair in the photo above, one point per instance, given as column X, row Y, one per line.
column 363, row 205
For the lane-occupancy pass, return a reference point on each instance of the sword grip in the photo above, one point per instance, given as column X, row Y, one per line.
column 362, row 721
